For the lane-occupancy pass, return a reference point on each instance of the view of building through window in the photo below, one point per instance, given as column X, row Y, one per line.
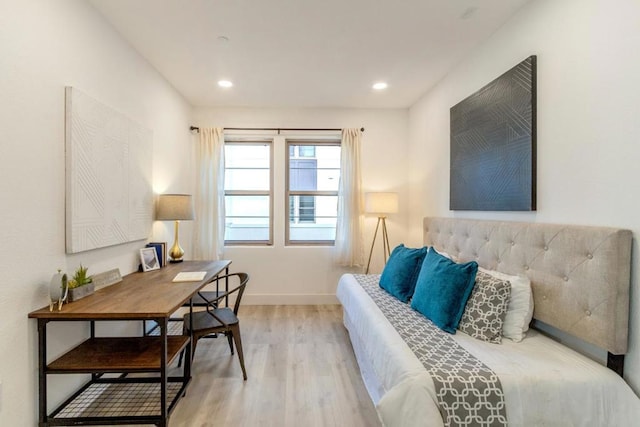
column 314, row 176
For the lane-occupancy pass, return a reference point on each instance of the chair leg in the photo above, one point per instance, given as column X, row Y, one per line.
column 229, row 335
column 184, row 332
column 235, row 330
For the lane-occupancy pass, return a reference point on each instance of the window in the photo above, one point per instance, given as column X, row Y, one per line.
column 306, row 179
column 313, row 172
column 248, row 194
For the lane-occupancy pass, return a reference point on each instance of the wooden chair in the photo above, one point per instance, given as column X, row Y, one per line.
column 202, row 298
column 221, row 320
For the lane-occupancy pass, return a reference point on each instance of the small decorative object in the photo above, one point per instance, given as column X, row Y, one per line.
column 107, row 278
column 58, row 288
column 149, row 259
column 175, row 207
column 80, row 285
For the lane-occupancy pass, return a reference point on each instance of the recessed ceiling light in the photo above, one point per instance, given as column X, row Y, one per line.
column 224, row 83
column 379, row 86
column 469, row 12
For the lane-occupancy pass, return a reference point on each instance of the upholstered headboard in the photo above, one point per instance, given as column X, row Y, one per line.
column 580, row 275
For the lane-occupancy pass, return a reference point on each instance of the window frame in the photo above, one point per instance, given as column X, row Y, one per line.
column 269, row 193
column 288, row 192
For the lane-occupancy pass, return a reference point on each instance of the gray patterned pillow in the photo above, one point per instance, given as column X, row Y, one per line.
column 486, row 308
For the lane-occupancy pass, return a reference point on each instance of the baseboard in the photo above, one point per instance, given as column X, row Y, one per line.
column 289, row 299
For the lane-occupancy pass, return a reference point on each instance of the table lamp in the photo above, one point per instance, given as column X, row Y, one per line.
column 175, row 207
column 381, row 204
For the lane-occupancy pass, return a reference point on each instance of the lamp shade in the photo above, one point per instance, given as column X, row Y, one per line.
column 381, row 202
column 173, row 207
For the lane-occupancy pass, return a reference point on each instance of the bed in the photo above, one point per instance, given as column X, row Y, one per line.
column 580, row 278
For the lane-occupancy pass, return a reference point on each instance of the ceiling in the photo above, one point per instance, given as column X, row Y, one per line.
column 304, row 53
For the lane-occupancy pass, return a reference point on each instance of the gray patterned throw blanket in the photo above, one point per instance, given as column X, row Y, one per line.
column 468, row 392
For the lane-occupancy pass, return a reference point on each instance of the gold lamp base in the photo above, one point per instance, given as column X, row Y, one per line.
column 176, row 252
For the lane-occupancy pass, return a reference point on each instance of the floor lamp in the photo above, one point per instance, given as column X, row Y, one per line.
column 380, row 204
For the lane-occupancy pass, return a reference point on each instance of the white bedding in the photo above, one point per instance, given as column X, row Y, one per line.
column 545, row 383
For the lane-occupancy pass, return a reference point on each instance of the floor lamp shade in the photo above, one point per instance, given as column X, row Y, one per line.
column 175, row 207
column 380, row 204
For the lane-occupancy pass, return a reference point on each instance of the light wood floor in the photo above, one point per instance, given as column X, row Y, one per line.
column 301, row 369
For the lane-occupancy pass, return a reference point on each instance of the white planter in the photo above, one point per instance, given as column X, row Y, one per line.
column 80, row 292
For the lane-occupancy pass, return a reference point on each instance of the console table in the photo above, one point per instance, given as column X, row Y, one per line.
column 123, row 399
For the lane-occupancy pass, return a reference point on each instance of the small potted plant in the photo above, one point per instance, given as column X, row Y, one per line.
column 80, row 284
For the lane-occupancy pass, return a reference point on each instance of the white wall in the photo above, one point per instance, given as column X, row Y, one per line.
column 306, row 275
column 46, row 46
column 588, row 127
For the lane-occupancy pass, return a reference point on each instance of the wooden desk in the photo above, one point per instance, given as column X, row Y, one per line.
column 114, row 400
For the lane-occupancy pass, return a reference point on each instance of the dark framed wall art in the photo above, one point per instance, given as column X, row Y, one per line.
column 493, row 144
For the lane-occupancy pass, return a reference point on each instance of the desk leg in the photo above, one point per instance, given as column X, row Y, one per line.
column 92, row 332
column 42, row 375
column 189, row 352
column 164, row 412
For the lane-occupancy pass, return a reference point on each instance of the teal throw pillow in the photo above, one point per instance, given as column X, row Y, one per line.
column 400, row 274
column 442, row 290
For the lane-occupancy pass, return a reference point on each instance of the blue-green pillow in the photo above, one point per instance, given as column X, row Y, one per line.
column 400, row 274
column 442, row 290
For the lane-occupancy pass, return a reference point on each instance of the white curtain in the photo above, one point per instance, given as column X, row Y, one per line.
column 209, row 197
column 349, row 246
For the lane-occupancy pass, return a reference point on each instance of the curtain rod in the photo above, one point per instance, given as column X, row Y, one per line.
column 197, row 129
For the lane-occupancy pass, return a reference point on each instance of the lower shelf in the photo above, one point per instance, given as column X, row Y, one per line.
column 119, row 354
column 116, row 401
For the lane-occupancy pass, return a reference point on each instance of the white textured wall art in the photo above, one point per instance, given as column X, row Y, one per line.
column 108, row 175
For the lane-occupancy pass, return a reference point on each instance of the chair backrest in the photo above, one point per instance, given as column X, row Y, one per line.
column 244, row 278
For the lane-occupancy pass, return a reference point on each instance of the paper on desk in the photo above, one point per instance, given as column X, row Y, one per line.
column 189, row 276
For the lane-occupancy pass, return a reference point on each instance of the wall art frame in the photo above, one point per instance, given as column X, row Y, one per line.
column 493, row 144
column 109, row 197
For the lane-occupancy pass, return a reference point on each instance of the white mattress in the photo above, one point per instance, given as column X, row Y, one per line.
column 545, row 383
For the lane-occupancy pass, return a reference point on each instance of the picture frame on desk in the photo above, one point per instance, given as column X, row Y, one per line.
column 149, row 259
column 161, row 249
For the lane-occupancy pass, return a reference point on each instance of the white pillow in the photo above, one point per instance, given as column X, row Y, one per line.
column 520, row 309
column 444, row 254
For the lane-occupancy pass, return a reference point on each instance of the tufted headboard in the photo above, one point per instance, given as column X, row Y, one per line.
column 580, row 275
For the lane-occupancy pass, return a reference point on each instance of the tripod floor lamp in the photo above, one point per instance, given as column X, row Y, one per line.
column 380, row 204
